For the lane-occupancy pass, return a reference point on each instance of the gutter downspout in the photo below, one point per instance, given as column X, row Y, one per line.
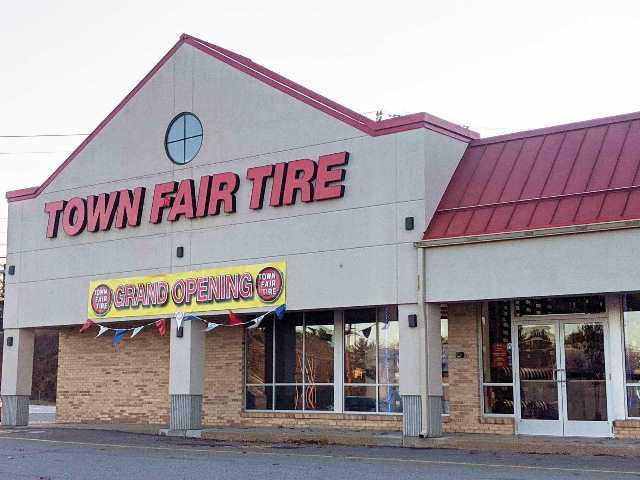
column 421, row 313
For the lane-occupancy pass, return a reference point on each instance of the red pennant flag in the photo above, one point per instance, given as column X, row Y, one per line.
column 234, row 319
column 87, row 325
column 162, row 327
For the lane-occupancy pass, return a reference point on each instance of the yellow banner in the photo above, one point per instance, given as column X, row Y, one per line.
column 229, row 288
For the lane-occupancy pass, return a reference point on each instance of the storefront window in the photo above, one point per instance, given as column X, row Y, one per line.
column 371, row 360
column 444, row 338
column 632, row 352
column 300, row 350
column 497, row 366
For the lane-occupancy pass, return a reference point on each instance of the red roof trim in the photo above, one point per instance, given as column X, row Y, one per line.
column 244, row 64
column 567, row 127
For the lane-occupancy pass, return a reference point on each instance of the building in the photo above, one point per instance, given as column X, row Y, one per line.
column 219, row 185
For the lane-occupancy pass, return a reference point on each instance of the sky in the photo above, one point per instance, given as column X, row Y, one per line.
column 495, row 66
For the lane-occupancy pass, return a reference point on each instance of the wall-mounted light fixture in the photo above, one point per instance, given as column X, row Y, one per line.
column 12, row 269
column 180, row 252
column 413, row 320
column 408, row 223
column 9, row 341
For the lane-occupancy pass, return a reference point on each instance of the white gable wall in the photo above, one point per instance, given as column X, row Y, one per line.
column 345, row 252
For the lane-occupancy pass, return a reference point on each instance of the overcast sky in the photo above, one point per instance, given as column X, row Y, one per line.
column 495, row 66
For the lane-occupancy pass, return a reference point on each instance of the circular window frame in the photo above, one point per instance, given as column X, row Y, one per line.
column 166, row 137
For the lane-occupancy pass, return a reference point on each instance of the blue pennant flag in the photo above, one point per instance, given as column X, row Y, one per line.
column 280, row 311
column 119, row 334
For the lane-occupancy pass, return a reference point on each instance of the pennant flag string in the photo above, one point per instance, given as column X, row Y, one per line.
column 88, row 324
column 137, row 330
column 102, row 330
column 119, row 334
column 181, row 317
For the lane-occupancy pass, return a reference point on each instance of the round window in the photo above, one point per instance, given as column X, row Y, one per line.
column 184, row 138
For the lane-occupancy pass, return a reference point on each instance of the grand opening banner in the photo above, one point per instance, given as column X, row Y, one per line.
column 228, row 288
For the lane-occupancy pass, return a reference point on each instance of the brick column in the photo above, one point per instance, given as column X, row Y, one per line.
column 17, row 369
column 186, row 376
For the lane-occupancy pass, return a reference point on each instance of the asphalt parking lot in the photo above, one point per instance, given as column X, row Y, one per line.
column 52, row 453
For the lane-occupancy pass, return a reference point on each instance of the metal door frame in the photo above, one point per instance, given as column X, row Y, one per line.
column 562, row 426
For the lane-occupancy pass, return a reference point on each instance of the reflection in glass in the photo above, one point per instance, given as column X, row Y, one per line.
column 259, row 397
column 587, row 400
column 318, row 397
column 537, row 365
column 360, row 346
column 445, row 399
column 389, row 400
column 318, row 347
column 498, row 400
column 359, row 398
column 260, row 354
column 632, row 352
column 633, row 401
column 444, row 339
column 288, row 397
column 585, row 371
column 496, row 343
column 389, row 349
column 584, row 351
column 539, row 400
column 289, row 334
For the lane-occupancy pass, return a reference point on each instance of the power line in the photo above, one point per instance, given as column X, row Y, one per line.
column 31, row 153
column 37, row 135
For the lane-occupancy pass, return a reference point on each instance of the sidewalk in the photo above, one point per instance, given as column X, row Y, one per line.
column 477, row 442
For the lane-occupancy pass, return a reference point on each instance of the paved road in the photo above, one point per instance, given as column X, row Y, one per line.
column 49, row 453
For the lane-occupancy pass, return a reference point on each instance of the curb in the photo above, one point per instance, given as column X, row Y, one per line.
column 293, row 436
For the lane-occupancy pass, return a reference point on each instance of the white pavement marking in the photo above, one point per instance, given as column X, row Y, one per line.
column 333, row 457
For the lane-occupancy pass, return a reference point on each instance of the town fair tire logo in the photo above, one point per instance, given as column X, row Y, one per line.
column 269, row 284
column 101, row 300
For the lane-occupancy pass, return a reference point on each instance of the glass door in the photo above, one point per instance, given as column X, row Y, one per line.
column 584, row 380
column 539, row 406
column 562, row 378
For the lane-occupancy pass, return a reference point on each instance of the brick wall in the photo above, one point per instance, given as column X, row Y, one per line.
column 99, row 383
column 224, row 396
column 464, row 375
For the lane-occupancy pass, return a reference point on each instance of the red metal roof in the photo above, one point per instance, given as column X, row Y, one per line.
column 577, row 174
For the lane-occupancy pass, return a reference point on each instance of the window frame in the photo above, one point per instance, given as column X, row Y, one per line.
column 484, row 317
column 273, row 384
column 377, row 384
column 183, row 139
column 624, row 358
column 338, row 372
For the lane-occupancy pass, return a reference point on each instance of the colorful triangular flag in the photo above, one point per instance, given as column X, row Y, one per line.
column 257, row 321
column 180, row 319
column 137, row 330
column 162, row 327
column 102, row 330
column 211, row 326
column 280, row 311
column 87, row 325
column 367, row 331
column 234, row 319
column 119, row 334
